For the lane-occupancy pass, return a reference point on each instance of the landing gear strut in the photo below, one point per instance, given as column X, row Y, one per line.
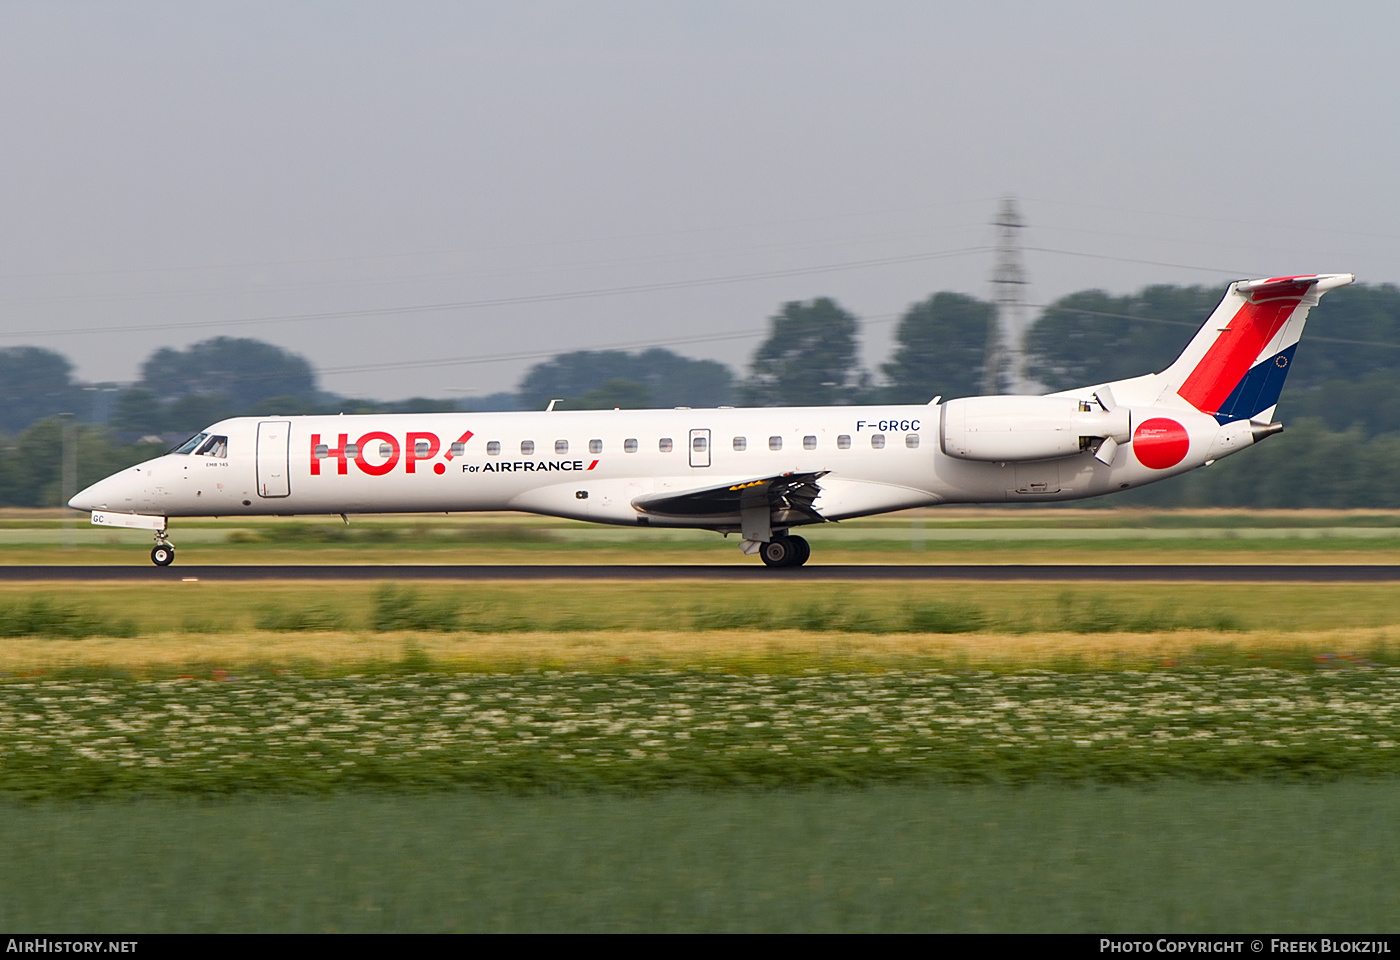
column 785, row 552
column 163, row 553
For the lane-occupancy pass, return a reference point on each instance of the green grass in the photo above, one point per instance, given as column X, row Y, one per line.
column 1264, row 858
column 43, row 616
column 405, row 729
column 1045, row 534
column 870, row 608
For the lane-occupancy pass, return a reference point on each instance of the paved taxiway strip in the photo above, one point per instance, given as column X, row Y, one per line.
column 1196, row 573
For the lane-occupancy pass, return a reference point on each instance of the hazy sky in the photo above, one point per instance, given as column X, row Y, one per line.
column 385, row 188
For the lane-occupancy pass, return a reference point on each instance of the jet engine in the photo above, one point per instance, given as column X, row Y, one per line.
column 1032, row 428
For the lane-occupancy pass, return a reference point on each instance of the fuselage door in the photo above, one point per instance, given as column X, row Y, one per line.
column 700, row 448
column 274, row 445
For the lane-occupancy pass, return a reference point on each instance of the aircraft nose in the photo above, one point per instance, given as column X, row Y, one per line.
column 87, row 499
column 102, row 495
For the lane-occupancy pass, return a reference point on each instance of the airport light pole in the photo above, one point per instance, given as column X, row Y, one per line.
column 69, row 486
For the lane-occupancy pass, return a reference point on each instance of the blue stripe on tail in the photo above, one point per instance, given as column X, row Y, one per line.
column 1258, row 390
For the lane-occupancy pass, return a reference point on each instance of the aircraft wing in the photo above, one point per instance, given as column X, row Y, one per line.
column 787, row 494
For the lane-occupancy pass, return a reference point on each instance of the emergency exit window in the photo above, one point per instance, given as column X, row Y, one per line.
column 843, row 442
column 809, row 442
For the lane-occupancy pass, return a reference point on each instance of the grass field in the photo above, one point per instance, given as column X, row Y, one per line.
column 189, row 627
column 1256, row 857
column 653, row 730
column 948, row 535
column 698, row 756
column 216, row 688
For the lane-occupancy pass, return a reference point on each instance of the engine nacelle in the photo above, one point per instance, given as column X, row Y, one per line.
column 1028, row 428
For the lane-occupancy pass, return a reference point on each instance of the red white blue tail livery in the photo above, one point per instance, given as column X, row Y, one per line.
column 759, row 473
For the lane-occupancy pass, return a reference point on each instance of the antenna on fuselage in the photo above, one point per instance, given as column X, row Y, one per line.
column 550, row 408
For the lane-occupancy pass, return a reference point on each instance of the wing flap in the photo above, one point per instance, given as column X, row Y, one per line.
column 791, row 492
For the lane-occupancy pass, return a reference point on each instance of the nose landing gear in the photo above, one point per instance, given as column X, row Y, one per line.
column 163, row 553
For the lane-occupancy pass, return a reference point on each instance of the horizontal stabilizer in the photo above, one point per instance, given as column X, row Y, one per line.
column 1276, row 287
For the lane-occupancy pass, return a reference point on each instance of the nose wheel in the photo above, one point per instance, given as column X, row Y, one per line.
column 163, row 553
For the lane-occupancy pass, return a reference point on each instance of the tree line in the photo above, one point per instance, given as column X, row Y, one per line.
column 1341, row 402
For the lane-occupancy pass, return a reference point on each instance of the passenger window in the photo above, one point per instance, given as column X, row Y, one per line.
column 665, row 445
column 493, row 449
column 352, row 450
column 877, row 441
column 629, row 446
column 843, row 442
column 911, row 440
column 741, row 443
column 420, row 448
column 809, row 442
column 321, row 451
column 775, row 443
column 385, row 450
column 561, row 446
column 595, row 446
column 527, row 448
column 458, row 448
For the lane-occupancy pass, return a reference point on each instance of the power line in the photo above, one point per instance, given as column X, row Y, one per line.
column 457, row 251
column 508, row 301
column 1151, row 263
column 545, row 354
column 1196, row 325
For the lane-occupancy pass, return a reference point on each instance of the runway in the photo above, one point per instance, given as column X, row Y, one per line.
column 748, row 573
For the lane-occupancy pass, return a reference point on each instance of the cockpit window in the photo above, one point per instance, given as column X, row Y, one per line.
column 190, row 445
column 214, row 447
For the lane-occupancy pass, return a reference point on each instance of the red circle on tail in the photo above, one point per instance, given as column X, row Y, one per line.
column 1160, row 443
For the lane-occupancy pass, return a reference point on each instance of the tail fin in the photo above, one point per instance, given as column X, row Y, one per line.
column 1234, row 367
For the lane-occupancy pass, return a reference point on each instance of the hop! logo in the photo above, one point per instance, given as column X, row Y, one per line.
column 378, row 453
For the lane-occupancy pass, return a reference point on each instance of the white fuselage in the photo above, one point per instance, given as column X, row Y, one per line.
column 596, row 465
column 757, row 472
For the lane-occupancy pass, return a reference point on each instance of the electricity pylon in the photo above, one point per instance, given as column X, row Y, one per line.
column 1004, row 370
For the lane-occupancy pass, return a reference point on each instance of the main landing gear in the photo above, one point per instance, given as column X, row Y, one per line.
column 785, row 552
column 163, row 553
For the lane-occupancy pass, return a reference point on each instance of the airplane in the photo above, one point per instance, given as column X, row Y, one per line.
column 757, row 472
